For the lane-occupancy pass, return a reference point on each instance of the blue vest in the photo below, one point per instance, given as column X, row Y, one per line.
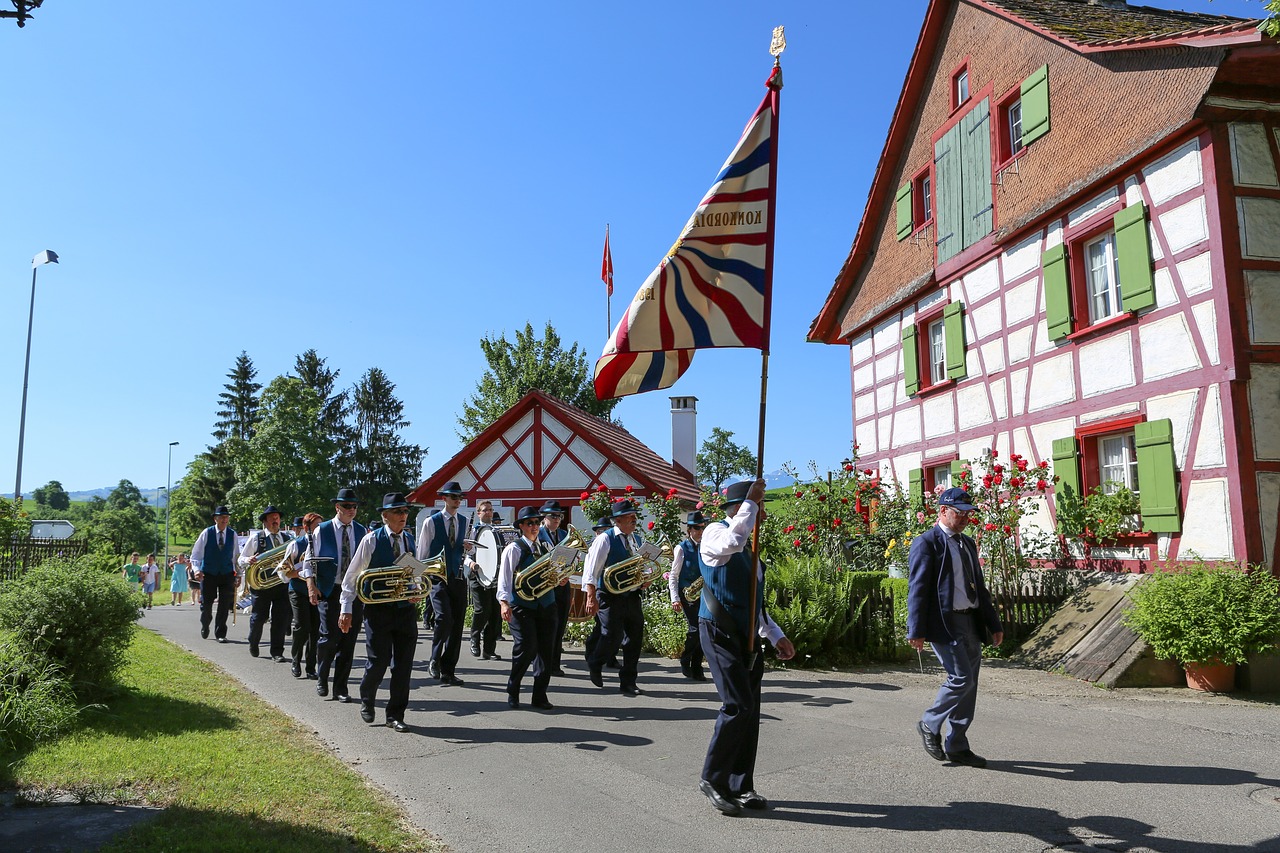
column 383, row 556
column 731, row 585
column 440, row 542
column 326, row 545
column 299, row 585
column 219, row 561
column 690, row 564
column 550, row 541
column 618, row 551
column 527, row 557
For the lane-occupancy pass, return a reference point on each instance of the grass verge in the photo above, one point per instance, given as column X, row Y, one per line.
column 233, row 773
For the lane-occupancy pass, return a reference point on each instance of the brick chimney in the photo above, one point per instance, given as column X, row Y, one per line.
column 684, row 435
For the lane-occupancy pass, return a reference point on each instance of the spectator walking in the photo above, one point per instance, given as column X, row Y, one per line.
column 150, row 576
column 179, row 582
column 132, row 572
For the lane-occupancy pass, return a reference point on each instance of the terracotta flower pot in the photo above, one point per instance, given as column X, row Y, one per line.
column 1211, row 677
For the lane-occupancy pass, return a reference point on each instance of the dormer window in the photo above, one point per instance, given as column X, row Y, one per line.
column 960, row 86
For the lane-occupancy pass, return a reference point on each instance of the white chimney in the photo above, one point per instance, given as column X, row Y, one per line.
column 684, row 435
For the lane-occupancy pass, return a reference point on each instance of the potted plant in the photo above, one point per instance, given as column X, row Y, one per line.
column 1208, row 618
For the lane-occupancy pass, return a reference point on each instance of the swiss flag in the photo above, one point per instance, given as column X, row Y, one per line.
column 606, row 265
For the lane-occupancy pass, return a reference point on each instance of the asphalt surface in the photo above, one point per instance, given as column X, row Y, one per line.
column 1072, row 767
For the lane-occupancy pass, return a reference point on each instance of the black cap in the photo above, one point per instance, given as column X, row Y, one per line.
column 298, row 521
column 737, row 493
column 956, row 499
column 346, row 496
column 602, row 524
column 551, row 507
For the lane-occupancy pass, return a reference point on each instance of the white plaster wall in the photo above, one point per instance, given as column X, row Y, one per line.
column 1094, row 415
column 1251, row 155
column 884, row 432
column 1166, row 347
column 1259, row 227
column 939, row 414
column 1176, row 172
column 1037, row 517
column 1206, row 524
column 1264, row 410
column 1179, row 408
column 972, row 366
column 887, row 335
column 993, row 356
column 999, row 398
column 1268, row 510
column 931, row 300
column 1262, row 289
column 1052, row 383
column 511, row 476
column 1157, row 252
column 985, row 319
column 1053, row 236
column 485, row 459
column 1196, row 273
column 983, row 281
column 1185, row 225
column 1018, row 392
column 1023, row 446
column 906, row 426
column 864, row 404
column 864, row 434
column 1092, row 207
column 566, row 474
column 861, row 348
column 900, row 392
column 587, row 454
column 1211, row 444
column 889, row 366
column 1041, row 338
column 1165, row 293
column 902, row 465
column 884, row 398
column 1132, row 190
column 973, row 410
column 1020, row 301
column 864, row 377
column 1022, row 257
column 1044, row 433
column 972, row 449
column 1020, row 344
column 1206, row 315
column 1106, row 364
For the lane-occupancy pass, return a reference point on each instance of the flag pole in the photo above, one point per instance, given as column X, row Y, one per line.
column 775, row 87
column 608, row 291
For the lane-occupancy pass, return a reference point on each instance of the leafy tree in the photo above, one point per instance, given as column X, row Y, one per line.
column 721, row 459
column 239, row 402
column 52, row 495
column 286, row 463
column 14, row 523
column 124, row 521
column 1271, row 25
column 207, row 483
column 381, row 460
column 528, row 363
column 332, row 417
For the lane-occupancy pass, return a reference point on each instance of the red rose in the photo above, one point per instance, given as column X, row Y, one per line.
column 628, row 490
column 799, row 494
column 1041, row 485
column 618, row 500
column 651, row 525
column 995, row 454
column 796, row 543
column 998, row 479
column 835, row 522
column 986, row 481
column 848, row 467
column 996, row 469
column 844, row 500
column 822, row 497
column 789, row 528
column 868, row 472
column 1043, row 464
column 671, row 494
column 584, row 496
column 1022, row 464
column 988, row 526
column 811, row 528
column 602, row 488
column 1007, row 530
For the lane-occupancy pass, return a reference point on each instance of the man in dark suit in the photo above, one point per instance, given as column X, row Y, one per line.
column 949, row 607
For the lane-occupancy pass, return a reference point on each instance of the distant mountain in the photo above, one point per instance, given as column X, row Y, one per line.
column 773, row 480
column 152, row 496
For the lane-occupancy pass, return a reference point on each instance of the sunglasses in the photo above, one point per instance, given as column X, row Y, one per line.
column 346, row 506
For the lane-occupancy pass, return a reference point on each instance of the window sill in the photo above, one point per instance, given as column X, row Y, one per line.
column 1006, row 163
column 1102, row 326
column 935, row 388
column 921, row 228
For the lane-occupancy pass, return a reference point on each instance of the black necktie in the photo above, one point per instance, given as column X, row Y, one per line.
column 346, row 547
column 452, row 532
column 970, row 579
column 395, row 547
column 219, row 538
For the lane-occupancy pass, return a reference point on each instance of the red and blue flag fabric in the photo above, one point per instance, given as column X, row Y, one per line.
column 711, row 289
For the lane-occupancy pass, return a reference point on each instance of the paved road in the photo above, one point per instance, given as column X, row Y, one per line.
column 1072, row 767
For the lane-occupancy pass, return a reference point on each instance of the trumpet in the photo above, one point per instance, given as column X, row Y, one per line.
column 634, row 572
column 551, row 569
column 264, row 573
column 693, row 592
column 401, row 581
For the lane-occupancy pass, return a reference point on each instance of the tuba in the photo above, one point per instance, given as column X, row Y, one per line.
column 401, row 581
column 264, row 574
column 551, row 569
column 636, row 571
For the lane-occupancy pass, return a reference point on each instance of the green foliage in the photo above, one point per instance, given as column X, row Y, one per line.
column 81, row 619
column 1004, row 494
column 720, row 458
column 1271, row 24
column 14, row 522
column 664, row 629
column 827, row 518
column 1101, row 517
column 238, row 414
column 36, row 700
column 668, row 518
column 52, row 495
column 897, row 588
column 123, row 522
column 528, row 364
column 381, row 461
column 209, row 479
column 810, row 601
column 1207, row 613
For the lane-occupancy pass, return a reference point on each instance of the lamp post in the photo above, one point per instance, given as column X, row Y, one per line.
column 46, row 257
column 168, row 482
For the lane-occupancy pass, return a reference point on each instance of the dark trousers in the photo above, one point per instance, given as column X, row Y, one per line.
column 336, row 650
column 731, row 756
column 449, row 601
column 306, row 629
column 691, row 657
column 533, row 631
column 621, row 624
column 486, row 616
column 390, row 638
column 957, row 698
column 272, row 605
column 222, row 589
column 564, row 598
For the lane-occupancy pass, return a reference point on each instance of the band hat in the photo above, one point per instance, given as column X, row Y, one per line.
column 602, row 524
column 220, row 510
column 270, row 509
column 551, row 507
column 696, row 519
column 529, row 513
column 298, row 521
column 956, row 499
column 451, row 488
column 623, row 507
column 737, row 493
column 393, row 500
column 346, row 496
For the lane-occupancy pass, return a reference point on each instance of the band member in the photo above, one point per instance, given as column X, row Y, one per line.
column 550, row 535
column 214, row 556
column 684, row 571
column 597, row 530
column 445, row 532
column 533, row 623
column 737, row 664
column 486, row 615
column 306, row 616
column 390, row 629
column 621, row 614
column 271, row 603
column 325, row 563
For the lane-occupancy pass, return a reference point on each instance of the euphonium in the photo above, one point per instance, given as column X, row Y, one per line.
column 634, row 572
column 551, row 569
column 263, row 574
column 693, row 592
column 401, row 581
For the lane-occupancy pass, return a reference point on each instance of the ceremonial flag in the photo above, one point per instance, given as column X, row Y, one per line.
column 712, row 288
column 606, row 265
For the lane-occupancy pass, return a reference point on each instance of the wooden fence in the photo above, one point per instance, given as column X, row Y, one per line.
column 22, row 554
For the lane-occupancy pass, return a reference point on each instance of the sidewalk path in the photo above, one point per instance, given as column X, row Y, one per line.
column 1072, row 767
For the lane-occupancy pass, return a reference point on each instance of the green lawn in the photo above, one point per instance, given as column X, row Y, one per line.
column 233, row 773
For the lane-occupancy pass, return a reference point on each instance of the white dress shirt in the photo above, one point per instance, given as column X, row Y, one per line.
column 250, row 549
column 359, row 562
column 720, row 543
column 340, row 531
column 197, row 550
column 673, row 581
column 507, row 570
column 593, row 566
column 960, row 597
column 425, row 532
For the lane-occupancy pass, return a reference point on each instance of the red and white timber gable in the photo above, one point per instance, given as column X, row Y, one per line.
column 544, row 449
column 1072, row 251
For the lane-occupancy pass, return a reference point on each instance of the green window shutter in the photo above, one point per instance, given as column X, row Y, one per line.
column 947, row 198
column 1066, row 466
column 1035, row 105
column 957, row 468
column 911, row 360
column 975, row 158
column 915, row 480
column 1157, row 476
column 903, row 205
column 1057, row 292
column 1133, row 253
column 953, row 325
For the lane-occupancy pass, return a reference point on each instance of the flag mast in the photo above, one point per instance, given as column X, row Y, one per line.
column 606, row 275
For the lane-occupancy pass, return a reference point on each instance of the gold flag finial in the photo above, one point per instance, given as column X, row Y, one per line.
column 779, row 43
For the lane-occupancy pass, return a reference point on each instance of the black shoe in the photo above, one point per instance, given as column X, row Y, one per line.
column 513, row 702
column 222, row 640
column 204, row 633
column 495, row 656
column 296, row 670
column 253, row 650
column 613, row 664
column 452, row 680
column 475, row 650
column 434, row 669
column 932, row 742
column 752, row 800
column 597, row 677
column 722, row 803
column 322, row 688
column 397, row 725
column 630, row 690
column 277, row 658
column 560, row 673
column 697, row 674
column 313, row 676
column 366, row 712
column 542, row 704
column 341, row 697
column 485, row 657
column 967, row 758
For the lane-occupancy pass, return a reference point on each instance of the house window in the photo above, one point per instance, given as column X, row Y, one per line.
column 940, row 475
column 922, row 199
column 1118, row 462
column 933, row 348
column 960, row 90
column 963, row 202
column 937, row 352
column 1013, row 125
column 926, row 196
column 1102, row 270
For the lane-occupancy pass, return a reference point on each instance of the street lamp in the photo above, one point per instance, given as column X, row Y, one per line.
column 168, row 482
column 46, row 257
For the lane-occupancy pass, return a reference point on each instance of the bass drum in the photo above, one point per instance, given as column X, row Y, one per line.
column 578, row 601
column 492, row 541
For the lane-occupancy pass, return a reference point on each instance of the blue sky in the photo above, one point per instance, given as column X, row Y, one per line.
column 389, row 182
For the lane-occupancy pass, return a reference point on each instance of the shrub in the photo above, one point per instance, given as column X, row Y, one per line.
column 810, row 601
column 81, row 619
column 1207, row 613
column 664, row 629
column 36, row 700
